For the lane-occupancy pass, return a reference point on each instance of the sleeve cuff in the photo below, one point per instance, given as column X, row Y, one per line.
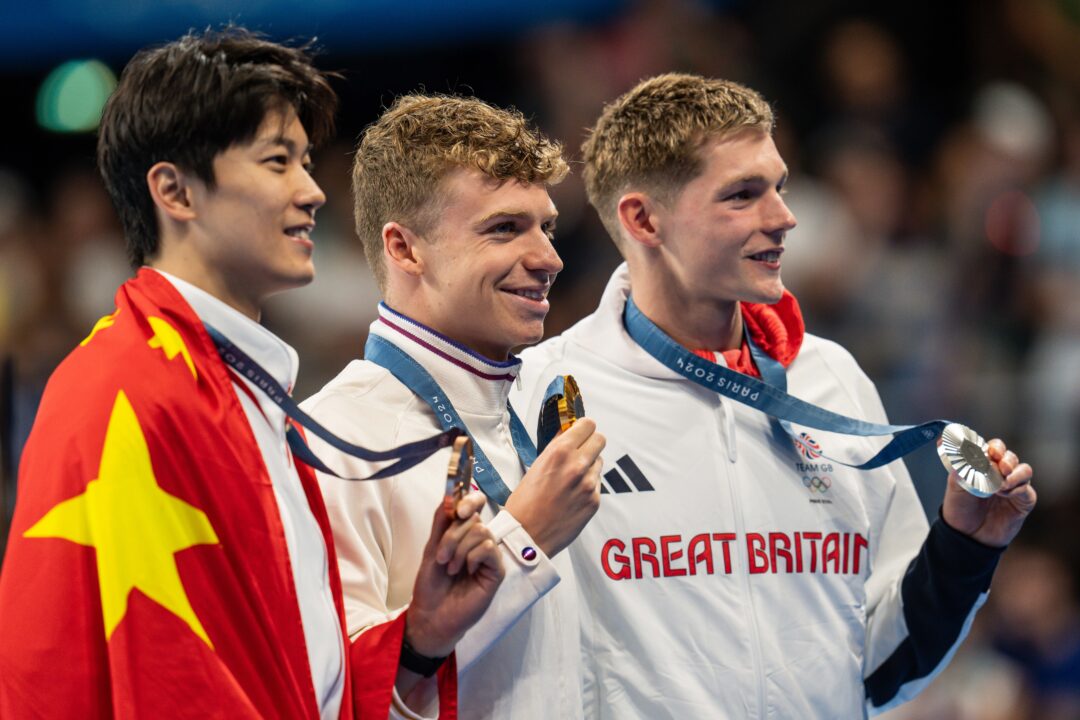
column 519, row 545
column 961, row 556
column 400, row 711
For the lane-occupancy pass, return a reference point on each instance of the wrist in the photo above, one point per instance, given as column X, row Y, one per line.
column 415, row 662
column 423, row 639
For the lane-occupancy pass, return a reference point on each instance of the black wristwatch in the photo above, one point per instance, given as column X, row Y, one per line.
column 417, row 663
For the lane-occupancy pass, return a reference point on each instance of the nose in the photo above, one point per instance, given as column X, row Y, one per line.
column 309, row 195
column 780, row 219
column 542, row 256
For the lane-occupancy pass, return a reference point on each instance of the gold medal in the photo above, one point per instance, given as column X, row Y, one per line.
column 570, row 404
column 561, row 408
column 458, row 475
column 963, row 450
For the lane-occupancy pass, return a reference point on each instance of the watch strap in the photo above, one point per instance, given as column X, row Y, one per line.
column 417, row 663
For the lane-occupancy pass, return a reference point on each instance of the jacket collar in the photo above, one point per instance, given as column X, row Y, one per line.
column 474, row 383
column 778, row 329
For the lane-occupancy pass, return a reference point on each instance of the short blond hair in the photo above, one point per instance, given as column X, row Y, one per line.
column 402, row 158
column 649, row 138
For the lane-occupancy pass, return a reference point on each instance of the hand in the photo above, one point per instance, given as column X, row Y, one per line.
column 460, row 570
column 995, row 520
column 561, row 491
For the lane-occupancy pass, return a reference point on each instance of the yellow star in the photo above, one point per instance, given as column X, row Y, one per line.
column 168, row 339
column 100, row 325
column 135, row 526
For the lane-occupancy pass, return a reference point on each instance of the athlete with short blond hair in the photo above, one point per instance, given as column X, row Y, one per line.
column 732, row 572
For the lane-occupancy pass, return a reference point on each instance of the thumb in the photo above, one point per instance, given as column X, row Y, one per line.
column 439, row 524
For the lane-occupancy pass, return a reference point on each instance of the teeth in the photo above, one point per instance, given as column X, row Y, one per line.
column 531, row 294
column 768, row 256
column 301, row 232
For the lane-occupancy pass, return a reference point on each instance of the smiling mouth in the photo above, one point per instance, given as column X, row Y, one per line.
column 768, row 256
column 302, row 233
column 534, row 295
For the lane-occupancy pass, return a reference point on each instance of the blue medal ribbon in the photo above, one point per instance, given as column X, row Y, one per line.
column 406, row 455
column 413, row 376
column 770, row 396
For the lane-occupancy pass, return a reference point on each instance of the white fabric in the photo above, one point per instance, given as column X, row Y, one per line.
column 304, row 538
column 665, row 642
column 521, row 660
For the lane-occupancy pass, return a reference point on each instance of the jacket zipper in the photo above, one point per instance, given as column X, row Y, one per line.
column 726, row 416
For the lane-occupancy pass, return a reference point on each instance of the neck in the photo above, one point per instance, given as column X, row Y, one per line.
column 193, row 271
column 422, row 313
column 694, row 324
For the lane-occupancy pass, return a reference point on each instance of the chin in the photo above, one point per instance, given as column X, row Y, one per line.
column 299, row 277
column 769, row 295
column 522, row 339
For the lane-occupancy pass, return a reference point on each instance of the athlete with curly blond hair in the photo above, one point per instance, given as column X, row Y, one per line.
column 452, row 206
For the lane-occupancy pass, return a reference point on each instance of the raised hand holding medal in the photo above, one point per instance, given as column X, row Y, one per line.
column 992, row 512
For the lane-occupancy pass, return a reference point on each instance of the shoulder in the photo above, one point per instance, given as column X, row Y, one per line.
column 823, row 351
column 828, row 368
column 553, row 356
column 366, row 402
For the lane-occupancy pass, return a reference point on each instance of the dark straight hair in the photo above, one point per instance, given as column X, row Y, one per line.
column 191, row 99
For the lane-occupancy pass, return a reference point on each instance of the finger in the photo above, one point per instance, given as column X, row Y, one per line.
column 476, row 535
column 439, row 524
column 471, row 504
column 995, row 449
column 486, row 554
column 593, row 476
column 1008, row 463
column 1024, row 498
column 578, row 433
column 452, row 536
column 1018, row 478
column 592, row 447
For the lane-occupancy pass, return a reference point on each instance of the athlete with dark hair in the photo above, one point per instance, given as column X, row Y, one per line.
column 168, row 556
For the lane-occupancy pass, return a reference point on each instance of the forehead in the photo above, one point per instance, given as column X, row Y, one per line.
column 467, row 192
column 744, row 153
column 280, row 125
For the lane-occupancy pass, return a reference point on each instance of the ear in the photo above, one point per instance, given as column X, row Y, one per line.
column 399, row 249
column 170, row 191
column 640, row 220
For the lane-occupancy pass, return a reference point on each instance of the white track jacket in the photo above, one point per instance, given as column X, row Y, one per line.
column 726, row 575
column 521, row 660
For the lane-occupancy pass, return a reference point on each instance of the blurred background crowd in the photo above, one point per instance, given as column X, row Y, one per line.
column 934, row 151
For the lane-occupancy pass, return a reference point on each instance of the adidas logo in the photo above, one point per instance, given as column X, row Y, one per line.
column 618, row 484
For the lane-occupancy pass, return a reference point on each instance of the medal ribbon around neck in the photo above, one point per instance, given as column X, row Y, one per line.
column 406, row 455
column 413, row 376
column 770, row 396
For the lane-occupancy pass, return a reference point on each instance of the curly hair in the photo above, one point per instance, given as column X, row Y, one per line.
column 404, row 156
column 191, row 99
column 650, row 137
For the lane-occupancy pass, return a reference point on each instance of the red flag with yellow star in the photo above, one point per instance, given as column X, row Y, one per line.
column 147, row 573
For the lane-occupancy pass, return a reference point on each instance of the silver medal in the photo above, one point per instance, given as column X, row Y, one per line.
column 963, row 450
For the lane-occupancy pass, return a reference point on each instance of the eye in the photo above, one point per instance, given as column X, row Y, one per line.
column 549, row 230
column 740, row 195
column 277, row 160
column 503, row 228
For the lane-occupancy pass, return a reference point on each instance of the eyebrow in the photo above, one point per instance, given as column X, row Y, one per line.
column 516, row 214
column 289, row 144
column 750, row 180
column 757, row 179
